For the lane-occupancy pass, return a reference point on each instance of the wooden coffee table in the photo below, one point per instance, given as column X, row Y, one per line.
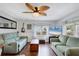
column 34, row 45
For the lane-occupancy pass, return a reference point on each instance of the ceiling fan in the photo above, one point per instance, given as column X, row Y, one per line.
column 37, row 9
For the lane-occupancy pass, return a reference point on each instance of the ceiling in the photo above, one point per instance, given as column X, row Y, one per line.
column 56, row 12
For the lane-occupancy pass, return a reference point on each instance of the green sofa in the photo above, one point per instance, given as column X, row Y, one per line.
column 65, row 45
column 13, row 43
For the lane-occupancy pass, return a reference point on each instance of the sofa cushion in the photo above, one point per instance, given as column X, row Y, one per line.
column 62, row 48
column 73, row 42
column 17, row 38
column 10, row 37
column 55, row 43
column 63, row 39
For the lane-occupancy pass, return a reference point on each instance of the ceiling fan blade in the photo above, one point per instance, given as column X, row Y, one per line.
column 30, row 6
column 27, row 12
column 42, row 14
column 43, row 8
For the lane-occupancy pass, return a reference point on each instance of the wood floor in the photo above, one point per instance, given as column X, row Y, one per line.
column 44, row 50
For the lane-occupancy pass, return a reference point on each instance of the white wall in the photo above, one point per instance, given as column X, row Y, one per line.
column 76, row 32
column 27, row 32
column 64, row 30
column 30, row 33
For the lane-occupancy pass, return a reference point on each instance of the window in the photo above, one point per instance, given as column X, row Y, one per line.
column 55, row 29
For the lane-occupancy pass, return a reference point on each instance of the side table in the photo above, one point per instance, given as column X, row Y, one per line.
column 41, row 41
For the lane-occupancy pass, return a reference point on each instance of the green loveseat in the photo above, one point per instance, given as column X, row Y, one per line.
column 66, row 46
column 13, row 43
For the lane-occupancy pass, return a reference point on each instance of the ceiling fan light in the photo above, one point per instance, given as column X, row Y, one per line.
column 36, row 14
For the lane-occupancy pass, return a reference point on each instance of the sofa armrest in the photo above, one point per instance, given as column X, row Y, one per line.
column 73, row 51
column 22, row 37
column 54, row 40
column 60, row 44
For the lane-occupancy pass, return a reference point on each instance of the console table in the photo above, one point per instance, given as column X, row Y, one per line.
column 41, row 41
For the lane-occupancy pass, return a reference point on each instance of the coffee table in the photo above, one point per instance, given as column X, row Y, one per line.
column 34, row 45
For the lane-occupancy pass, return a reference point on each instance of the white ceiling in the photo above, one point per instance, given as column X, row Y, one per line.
column 57, row 11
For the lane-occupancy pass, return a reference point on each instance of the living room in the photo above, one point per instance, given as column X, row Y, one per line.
column 19, row 22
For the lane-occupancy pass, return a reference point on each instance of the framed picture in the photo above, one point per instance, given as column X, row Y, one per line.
column 7, row 23
column 29, row 26
column 70, row 29
column 38, row 33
